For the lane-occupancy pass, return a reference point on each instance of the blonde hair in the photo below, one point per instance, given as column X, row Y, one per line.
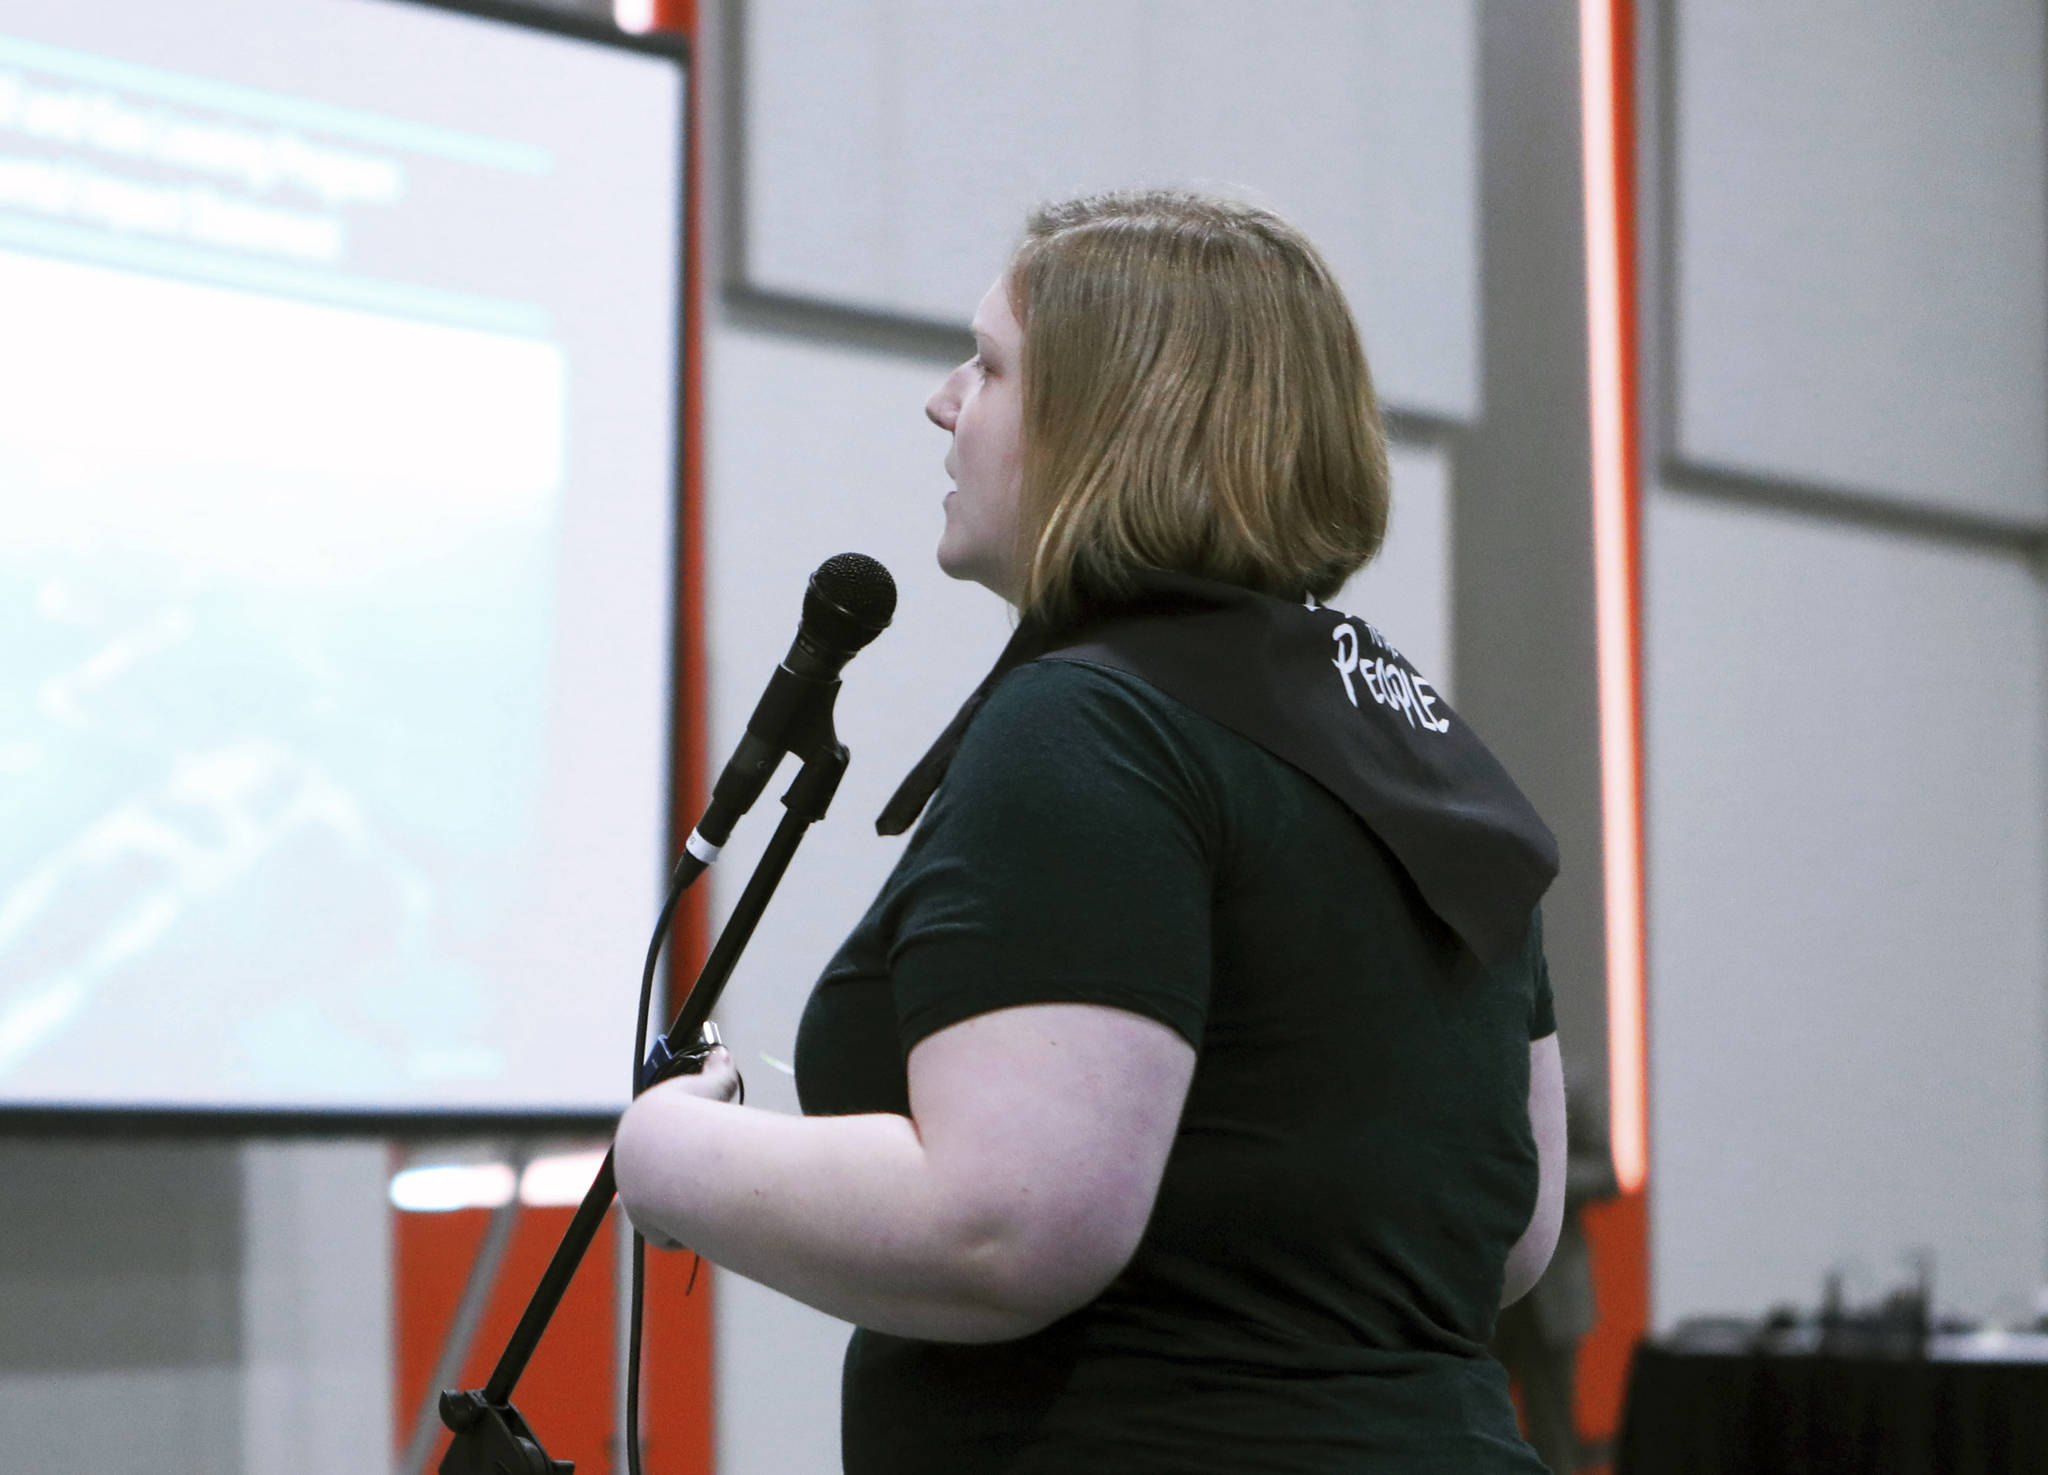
column 1195, row 399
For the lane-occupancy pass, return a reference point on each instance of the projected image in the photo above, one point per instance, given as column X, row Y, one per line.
column 312, row 792
column 280, row 656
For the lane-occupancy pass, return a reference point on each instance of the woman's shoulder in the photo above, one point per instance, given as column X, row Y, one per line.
column 1072, row 678
column 1069, row 725
column 1054, row 691
column 1077, row 705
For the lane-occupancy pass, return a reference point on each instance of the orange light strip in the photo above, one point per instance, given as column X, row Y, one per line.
column 678, row 1387
column 1605, row 42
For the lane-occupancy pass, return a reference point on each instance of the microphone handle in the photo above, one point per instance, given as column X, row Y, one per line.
column 794, row 715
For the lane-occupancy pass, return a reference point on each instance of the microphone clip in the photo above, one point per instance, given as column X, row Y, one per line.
column 794, row 715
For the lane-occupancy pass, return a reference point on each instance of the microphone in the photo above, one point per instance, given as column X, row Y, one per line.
column 849, row 601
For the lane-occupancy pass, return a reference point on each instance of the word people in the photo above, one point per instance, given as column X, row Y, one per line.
column 1385, row 682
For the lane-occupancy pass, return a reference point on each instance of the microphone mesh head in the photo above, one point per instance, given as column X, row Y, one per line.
column 860, row 588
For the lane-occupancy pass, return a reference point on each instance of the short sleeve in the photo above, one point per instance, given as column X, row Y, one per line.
column 1064, row 860
column 1543, row 1008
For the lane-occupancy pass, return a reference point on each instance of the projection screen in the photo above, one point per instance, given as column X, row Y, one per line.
column 339, row 407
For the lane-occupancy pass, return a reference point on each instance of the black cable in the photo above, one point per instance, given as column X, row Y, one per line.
column 633, row 1356
column 687, row 870
column 684, row 874
column 634, row 1323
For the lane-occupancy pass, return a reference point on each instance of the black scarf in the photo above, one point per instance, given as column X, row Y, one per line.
column 1325, row 693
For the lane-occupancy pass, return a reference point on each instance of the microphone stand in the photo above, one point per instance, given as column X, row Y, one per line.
column 490, row 1436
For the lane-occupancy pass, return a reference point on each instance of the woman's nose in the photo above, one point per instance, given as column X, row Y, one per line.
column 943, row 408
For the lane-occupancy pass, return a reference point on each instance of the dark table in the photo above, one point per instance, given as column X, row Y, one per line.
column 1771, row 1412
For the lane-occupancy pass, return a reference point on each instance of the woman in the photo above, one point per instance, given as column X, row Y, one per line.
column 1189, row 1098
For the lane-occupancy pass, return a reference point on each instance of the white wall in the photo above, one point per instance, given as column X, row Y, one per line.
column 316, row 1297
column 815, row 451
column 1845, row 666
column 1846, row 731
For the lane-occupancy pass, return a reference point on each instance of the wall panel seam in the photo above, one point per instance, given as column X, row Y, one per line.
column 1851, row 507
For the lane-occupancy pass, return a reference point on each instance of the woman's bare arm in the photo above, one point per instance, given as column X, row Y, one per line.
column 1013, row 1194
column 1546, row 1115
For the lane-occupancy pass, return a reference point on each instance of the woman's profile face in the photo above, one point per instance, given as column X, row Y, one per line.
column 981, row 406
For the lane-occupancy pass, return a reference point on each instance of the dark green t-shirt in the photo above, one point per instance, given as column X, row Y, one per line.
column 1318, row 1280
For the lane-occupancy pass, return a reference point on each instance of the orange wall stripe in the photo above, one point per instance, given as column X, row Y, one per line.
column 676, row 1385
column 567, row 1393
column 1606, row 43
column 1617, row 1232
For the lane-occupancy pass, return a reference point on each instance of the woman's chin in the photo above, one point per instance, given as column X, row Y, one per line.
column 958, row 559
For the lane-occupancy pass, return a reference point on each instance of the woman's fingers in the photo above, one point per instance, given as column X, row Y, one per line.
column 718, row 1080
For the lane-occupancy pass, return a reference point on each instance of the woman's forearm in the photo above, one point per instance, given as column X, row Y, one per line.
column 1018, row 1193
column 847, row 1214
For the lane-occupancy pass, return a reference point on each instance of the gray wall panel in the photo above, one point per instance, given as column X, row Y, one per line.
column 1522, row 529
column 1848, row 906
column 1861, row 264
column 892, row 147
column 198, row 1306
column 1359, row 122
column 121, row 1290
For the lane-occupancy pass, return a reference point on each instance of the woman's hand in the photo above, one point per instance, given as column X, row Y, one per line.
column 718, row 1080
